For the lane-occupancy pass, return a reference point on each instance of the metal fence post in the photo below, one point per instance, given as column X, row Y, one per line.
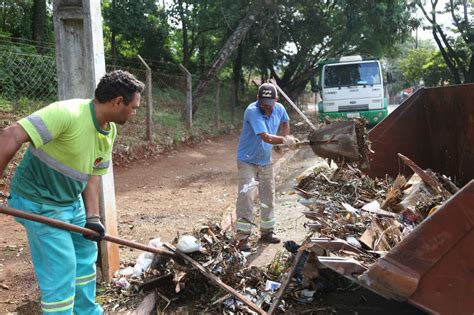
column 189, row 97
column 218, row 94
column 149, row 102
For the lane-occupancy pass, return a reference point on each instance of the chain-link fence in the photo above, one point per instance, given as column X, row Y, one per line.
column 28, row 81
column 169, row 88
column 168, row 102
column 27, row 78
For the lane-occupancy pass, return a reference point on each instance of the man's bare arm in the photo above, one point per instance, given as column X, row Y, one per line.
column 285, row 128
column 91, row 196
column 11, row 139
column 272, row 139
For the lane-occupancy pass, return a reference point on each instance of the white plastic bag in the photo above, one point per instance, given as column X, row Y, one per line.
column 156, row 242
column 188, row 244
column 248, row 187
column 126, row 272
column 272, row 285
column 143, row 262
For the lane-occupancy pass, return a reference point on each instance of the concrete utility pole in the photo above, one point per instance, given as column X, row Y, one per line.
column 80, row 65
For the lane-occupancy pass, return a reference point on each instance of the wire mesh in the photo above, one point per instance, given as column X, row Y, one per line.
column 29, row 76
column 168, row 94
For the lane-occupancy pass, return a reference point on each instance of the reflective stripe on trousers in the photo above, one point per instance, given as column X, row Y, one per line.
column 245, row 202
column 64, row 261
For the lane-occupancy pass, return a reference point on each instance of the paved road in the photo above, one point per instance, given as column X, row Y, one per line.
column 391, row 108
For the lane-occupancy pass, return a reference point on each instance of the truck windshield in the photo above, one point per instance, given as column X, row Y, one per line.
column 337, row 75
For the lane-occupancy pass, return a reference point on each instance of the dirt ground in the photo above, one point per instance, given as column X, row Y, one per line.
column 158, row 197
column 166, row 195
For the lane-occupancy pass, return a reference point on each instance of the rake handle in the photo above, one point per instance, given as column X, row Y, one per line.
column 308, row 142
column 82, row 230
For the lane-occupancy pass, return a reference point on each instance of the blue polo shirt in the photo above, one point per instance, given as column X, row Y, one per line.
column 252, row 149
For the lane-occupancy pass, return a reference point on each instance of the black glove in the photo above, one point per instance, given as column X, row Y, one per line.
column 94, row 223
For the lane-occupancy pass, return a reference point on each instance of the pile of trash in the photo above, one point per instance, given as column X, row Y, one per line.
column 174, row 282
column 351, row 215
column 351, row 218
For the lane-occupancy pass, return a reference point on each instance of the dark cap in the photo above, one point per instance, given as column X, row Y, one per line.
column 267, row 94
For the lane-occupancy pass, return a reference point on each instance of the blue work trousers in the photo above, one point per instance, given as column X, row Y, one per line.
column 64, row 261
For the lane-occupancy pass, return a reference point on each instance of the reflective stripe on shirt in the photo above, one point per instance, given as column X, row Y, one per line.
column 58, row 166
column 43, row 131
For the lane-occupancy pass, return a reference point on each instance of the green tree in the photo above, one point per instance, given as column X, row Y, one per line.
column 39, row 21
column 457, row 50
column 16, row 17
column 136, row 27
column 210, row 34
column 392, row 64
column 424, row 65
column 304, row 32
column 228, row 48
column 202, row 27
column 288, row 38
column 412, row 66
column 435, row 71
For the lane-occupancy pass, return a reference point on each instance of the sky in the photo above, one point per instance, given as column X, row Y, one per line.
column 443, row 19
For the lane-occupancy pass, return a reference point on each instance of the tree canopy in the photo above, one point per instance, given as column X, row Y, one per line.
column 136, row 27
column 283, row 39
column 455, row 42
column 304, row 32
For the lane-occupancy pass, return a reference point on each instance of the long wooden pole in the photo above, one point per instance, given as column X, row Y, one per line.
column 427, row 178
column 288, row 99
column 216, row 280
column 285, row 283
column 75, row 228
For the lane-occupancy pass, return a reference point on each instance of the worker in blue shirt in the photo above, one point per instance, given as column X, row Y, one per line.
column 262, row 119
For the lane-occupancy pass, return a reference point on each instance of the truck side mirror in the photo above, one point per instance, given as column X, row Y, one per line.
column 316, row 88
column 390, row 78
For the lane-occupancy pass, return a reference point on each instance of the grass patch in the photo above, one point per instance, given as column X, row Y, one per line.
column 22, row 106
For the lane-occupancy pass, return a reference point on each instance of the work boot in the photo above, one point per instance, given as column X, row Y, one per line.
column 244, row 245
column 269, row 237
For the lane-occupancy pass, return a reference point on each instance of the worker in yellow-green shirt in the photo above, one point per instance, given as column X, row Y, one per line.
column 58, row 177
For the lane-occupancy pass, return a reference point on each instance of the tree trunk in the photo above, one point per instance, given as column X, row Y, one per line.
column 184, row 32
column 113, row 46
column 202, row 59
column 450, row 56
column 39, row 22
column 4, row 16
column 296, row 87
column 447, row 58
column 226, row 51
column 113, row 43
column 237, row 69
column 470, row 72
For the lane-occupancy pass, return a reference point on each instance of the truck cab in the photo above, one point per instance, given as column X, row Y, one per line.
column 352, row 87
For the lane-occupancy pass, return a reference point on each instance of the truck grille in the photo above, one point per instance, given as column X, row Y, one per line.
column 351, row 108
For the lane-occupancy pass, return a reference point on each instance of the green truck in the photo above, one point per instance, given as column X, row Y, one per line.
column 352, row 87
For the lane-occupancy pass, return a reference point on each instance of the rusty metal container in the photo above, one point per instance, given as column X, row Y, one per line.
column 433, row 267
column 434, row 128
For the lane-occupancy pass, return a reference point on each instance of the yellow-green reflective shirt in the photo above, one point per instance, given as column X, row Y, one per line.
column 68, row 146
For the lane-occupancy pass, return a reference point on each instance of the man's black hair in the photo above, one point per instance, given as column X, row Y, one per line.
column 118, row 83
